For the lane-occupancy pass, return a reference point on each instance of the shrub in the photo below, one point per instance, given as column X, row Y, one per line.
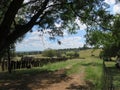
column 49, row 53
column 72, row 54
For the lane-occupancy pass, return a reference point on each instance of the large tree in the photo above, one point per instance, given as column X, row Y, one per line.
column 17, row 17
column 108, row 39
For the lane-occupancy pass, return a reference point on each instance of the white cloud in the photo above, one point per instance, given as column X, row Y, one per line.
column 72, row 42
column 35, row 33
column 35, row 42
column 67, row 42
column 116, row 8
column 110, row 2
column 57, row 25
column 25, row 1
column 80, row 24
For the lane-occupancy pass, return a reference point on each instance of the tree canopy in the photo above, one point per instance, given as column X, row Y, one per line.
column 17, row 17
column 108, row 39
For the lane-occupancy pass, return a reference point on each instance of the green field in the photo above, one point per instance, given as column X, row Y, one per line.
column 92, row 67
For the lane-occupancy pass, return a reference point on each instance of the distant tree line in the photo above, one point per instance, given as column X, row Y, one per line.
column 58, row 51
column 20, row 54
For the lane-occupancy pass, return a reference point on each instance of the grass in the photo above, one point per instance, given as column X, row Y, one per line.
column 75, row 69
column 87, row 53
column 92, row 67
column 91, row 70
column 115, row 73
column 60, row 65
column 36, row 70
column 94, row 73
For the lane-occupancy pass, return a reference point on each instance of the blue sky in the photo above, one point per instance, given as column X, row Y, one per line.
column 33, row 41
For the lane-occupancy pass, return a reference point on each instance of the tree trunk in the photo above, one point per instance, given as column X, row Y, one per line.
column 3, row 64
column 7, row 38
column 7, row 21
column 9, row 60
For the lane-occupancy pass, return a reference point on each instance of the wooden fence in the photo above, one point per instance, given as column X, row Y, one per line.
column 30, row 62
column 107, row 80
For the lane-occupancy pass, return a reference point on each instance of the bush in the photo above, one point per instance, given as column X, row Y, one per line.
column 49, row 53
column 103, row 55
column 72, row 54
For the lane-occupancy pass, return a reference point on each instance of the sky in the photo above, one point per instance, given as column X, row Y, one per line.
column 34, row 42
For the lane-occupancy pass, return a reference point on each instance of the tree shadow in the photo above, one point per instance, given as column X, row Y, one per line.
column 27, row 81
column 88, row 86
column 91, row 64
column 77, row 87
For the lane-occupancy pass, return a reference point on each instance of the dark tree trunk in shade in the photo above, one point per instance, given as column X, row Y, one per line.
column 9, row 60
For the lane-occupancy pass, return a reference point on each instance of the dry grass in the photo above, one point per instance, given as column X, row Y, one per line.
column 89, row 53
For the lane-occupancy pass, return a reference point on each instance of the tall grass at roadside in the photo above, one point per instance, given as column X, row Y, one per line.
column 60, row 65
column 115, row 73
column 94, row 72
column 75, row 69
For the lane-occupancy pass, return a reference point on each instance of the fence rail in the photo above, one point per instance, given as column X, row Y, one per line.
column 107, row 78
column 30, row 62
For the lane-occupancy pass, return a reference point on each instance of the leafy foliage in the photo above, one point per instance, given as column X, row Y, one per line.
column 72, row 54
column 18, row 17
column 49, row 53
column 108, row 39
